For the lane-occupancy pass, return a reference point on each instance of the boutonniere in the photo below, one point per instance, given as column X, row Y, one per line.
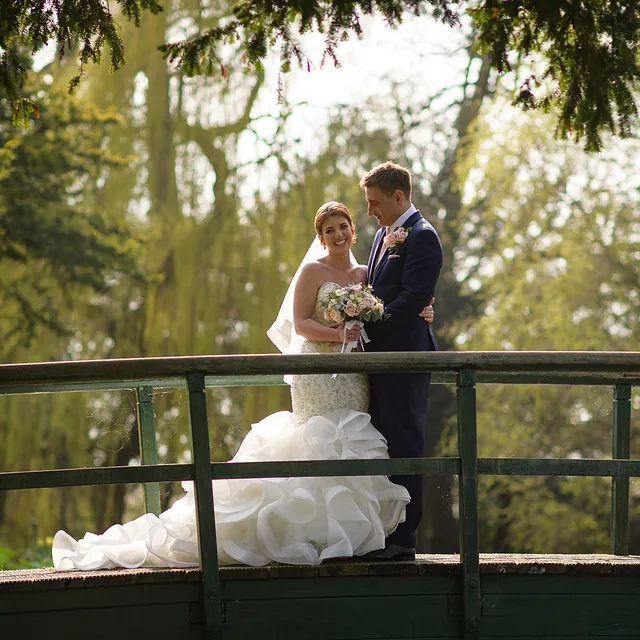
column 395, row 239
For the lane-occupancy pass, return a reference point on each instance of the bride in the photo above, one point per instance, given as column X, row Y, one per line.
column 288, row 520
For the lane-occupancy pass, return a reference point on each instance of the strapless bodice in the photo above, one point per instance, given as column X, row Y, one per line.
column 313, row 395
column 321, row 300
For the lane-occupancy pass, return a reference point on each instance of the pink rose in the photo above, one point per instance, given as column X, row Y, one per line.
column 350, row 309
column 391, row 239
column 395, row 238
column 335, row 315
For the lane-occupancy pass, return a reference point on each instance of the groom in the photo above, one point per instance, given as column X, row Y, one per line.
column 403, row 269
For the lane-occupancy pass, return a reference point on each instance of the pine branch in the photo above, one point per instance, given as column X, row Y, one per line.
column 33, row 24
column 590, row 49
column 592, row 55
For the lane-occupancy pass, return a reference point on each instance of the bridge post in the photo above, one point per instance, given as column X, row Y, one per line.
column 205, row 517
column 620, row 483
column 469, row 539
column 148, row 445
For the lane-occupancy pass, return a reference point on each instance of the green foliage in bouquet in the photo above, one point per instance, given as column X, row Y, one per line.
column 354, row 302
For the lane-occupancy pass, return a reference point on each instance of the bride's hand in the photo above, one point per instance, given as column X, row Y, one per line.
column 428, row 313
column 353, row 334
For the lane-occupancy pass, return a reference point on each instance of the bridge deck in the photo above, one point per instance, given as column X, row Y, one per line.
column 432, row 565
column 523, row 596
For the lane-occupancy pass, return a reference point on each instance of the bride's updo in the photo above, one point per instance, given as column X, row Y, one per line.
column 329, row 209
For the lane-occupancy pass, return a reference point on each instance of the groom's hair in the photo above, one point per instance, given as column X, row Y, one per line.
column 389, row 178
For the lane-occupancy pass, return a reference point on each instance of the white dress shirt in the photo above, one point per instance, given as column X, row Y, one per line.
column 403, row 218
column 392, row 227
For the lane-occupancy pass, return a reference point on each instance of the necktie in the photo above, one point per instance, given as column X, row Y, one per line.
column 383, row 247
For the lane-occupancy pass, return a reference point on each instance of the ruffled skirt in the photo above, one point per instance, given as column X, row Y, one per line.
column 259, row 521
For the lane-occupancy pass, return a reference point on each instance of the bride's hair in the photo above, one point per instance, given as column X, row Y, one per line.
column 333, row 209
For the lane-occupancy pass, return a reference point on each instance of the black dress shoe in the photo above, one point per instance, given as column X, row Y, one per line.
column 391, row 553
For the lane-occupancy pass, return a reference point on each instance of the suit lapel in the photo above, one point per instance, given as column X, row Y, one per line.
column 377, row 268
column 383, row 260
column 374, row 254
column 412, row 220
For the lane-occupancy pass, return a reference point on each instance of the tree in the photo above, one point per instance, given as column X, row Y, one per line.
column 590, row 49
column 181, row 185
column 55, row 239
column 549, row 246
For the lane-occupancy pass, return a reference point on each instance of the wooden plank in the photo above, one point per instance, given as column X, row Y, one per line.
column 557, row 362
column 49, row 578
column 589, row 605
column 449, row 378
column 307, row 468
column 96, row 597
column 176, row 472
column 248, row 634
column 560, row 584
column 524, row 615
column 542, row 377
column 534, row 569
column 87, row 386
column 124, row 623
column 245, row 381
column 335, row 618
column 536, row 563
column 95, row 476
column 339, row 587
column 515, row 606
column 550, row 624
column 558, row 467
column 437, row 466
column 497, row 377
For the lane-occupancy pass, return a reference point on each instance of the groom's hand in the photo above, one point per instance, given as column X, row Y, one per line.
column 428, row 313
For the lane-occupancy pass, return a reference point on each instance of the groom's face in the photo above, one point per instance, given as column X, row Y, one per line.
column 385, row 208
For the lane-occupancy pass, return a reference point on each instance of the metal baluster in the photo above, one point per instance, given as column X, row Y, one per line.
column 620, row 484
column 148, row 445
column 469, row 540
column 205, row 516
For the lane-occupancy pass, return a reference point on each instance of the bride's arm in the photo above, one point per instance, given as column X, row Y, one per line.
column 304, row 300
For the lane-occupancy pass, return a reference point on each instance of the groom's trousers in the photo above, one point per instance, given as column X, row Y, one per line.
column 398, row 409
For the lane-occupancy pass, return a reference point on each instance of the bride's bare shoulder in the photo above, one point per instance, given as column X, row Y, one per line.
column 313, row 267
column 361, row 272
column 312, row 272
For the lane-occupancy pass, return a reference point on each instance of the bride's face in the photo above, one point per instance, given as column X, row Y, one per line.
column 337, row 234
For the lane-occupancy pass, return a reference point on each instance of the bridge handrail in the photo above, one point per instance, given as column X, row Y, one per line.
column 625, row 363
column 467, row 369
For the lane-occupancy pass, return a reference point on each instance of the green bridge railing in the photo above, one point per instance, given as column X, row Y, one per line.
column 620, row 370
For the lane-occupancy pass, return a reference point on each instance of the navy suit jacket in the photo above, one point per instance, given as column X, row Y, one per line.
column 405, row 282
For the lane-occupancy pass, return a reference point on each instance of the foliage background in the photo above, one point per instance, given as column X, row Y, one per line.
column 165, row 214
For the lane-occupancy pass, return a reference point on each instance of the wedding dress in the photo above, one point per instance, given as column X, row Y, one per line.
column 287, row 520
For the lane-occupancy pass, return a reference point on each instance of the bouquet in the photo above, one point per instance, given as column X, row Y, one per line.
column 354, row 305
